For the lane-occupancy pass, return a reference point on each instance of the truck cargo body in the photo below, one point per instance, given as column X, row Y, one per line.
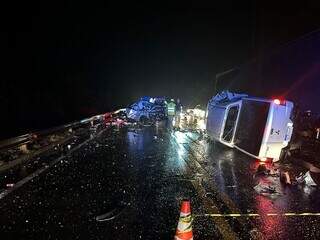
column 258, row 127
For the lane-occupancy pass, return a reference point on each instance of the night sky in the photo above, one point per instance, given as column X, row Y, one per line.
column 69, row 61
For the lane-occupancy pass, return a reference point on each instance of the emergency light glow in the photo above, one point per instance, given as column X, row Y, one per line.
column 277, row 101
column 264, row 159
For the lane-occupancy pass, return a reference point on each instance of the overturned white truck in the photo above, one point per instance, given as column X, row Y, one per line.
column 258, row 127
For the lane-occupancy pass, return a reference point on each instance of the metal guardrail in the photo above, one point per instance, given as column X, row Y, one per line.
column 16, row 141
column 26, row 138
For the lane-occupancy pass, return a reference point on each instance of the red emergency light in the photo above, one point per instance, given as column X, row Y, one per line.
column 279, row 102
column 264, row 160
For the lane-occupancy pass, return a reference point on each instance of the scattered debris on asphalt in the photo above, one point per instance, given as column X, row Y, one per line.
column 306, row 179
column 110, row 215
column 268, row 181
column 285, row 177
column 267, row 189
column 255, row 234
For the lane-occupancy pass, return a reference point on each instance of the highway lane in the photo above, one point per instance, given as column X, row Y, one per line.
column 132, row 180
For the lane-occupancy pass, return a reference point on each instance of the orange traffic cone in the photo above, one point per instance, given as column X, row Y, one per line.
column 184, row 228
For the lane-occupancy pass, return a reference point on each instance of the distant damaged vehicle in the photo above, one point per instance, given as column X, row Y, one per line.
column 147, row 109
column 258, row 127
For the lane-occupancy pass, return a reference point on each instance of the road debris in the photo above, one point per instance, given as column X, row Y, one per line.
column 268, row 179
column 255, row 234
column 306, row 179
column 114, row 213
column 267, row 189
column 285, row 177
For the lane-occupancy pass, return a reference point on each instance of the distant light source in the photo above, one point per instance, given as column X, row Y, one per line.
column 197, row 112
column 265, row 160
column 277, row 101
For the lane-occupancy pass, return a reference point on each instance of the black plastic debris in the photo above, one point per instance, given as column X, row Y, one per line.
column 307, row 179
column 269, row 190
column 110, row 215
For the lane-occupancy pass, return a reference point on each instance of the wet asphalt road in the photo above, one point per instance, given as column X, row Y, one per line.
column 134, row 179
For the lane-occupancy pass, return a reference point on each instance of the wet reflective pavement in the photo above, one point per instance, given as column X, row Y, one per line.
column 128, row 183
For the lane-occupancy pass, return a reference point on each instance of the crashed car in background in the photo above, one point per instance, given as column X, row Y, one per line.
column 147, row 109
column 258, row 127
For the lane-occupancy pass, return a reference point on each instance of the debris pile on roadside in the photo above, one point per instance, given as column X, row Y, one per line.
column 267, row 177
column 300, row 173
column 272, row 178
column 267, row 189
column 301, row 157
column 307, row 178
